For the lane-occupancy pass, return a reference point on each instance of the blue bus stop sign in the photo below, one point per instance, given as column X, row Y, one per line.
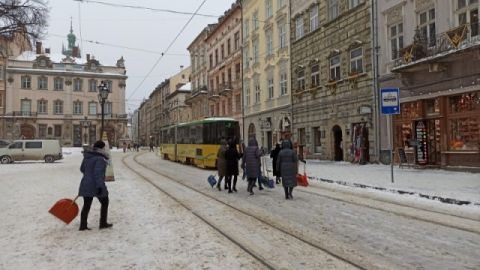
column 390, row 99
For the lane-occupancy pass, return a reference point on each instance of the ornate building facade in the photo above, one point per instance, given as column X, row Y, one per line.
column 225, row 65
column 198, row 98
column 430, row 50
column 52, row 96
column 266, row 71
column 332, row 79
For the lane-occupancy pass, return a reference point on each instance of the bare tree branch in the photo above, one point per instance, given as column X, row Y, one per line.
column 24, row 17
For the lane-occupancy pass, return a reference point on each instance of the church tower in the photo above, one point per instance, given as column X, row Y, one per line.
column 72, row 50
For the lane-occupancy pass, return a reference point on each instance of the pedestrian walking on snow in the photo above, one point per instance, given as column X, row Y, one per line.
column 287, row 165
column 222, row 164
column 93, row 167
column 274, row 156
column 231, row 157
column 251, row 163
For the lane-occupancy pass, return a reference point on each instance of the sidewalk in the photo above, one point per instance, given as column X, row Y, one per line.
column 446, row 186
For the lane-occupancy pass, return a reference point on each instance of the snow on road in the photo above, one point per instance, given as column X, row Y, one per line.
column 150, row 230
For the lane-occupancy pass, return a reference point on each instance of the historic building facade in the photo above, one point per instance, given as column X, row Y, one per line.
column 52, row 96
column 332, row 79
column 225, row 65
column 9, row 47
column 266, row 71
column 198, row 98
column 431, row 52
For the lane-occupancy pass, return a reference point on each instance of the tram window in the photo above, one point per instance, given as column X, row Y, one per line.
column 199, row 134
column 210, row 133
column 221, row 131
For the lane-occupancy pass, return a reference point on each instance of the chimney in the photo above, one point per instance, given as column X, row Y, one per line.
column 38, row 47
column 75, row 52
column 88, row 57
column 47, row 50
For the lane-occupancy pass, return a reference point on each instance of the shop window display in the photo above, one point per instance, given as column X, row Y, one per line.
column 410, row 110
column 433, row 106
column 464, row 133
column 467, row 102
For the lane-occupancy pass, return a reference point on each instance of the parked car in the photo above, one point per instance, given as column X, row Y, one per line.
column 4, row 143
column 48, row 150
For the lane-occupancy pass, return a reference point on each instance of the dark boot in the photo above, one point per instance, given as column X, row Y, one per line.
column 286, row 193
column 234, row 183
column 104, row 213
column 87, row 202
column 219, row 184
column 290, row 190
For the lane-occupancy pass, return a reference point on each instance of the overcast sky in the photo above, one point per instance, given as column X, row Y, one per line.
column 134, row 28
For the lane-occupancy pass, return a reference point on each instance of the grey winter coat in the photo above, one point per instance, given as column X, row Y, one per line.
column 287, row 164
column 93, row 167
column 251, row 159
column 221, row 162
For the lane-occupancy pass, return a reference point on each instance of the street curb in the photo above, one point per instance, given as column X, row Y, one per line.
column 397, row 191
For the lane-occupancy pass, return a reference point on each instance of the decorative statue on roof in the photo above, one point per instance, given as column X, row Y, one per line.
column 121, row 62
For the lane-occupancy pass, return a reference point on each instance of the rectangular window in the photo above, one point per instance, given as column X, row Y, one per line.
column 246, row 28
column 283, row 81
column 332, row 9
column 315, row 77
column 92, row 108
column 255, row 20
column 247, row 93
column 270, row 85
column 77, row 85
column 282, row 35
column 427, row 26
column 256, row 85
column 467, row 13
column 26, row 82
column 255, row 51
column 33, row 145
column 317, row 137
column 238, row 103
column 92, row 86
column 335, row 68
column 216, row 57
column 108, row 108
column 77, row 107
column 1, row 100
column 222, row 51
column 280, row 4
column 58, row 107
column 57, row 131
column 301, row 80
column 314, row 18
column 354, row 3
column 464, row 133
column 356, row 61
column 211, row 60
column 42, row 83
column 298, row 28
column 42, row 106
column 268, row 9
column 42, row 131
column 26, row 107
column 396, row 40
column 236, row 38
column 58, row 84
column 269, row 40
column 229, row 47
column 246, row 56
column 2, row 73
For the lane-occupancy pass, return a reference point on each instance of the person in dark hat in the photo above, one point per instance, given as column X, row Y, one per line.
column 93, row 167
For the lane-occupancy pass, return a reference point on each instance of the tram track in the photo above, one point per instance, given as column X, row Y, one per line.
column 457, row 222
column 358, row 263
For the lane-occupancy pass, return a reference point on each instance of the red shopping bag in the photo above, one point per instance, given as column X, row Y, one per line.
column 65, row 209
column 302, row 180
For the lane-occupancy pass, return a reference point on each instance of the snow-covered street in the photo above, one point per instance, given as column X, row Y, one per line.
column 153, row 231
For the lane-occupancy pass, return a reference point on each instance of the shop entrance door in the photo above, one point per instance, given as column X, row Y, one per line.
column 433, row 142
column 337, row 143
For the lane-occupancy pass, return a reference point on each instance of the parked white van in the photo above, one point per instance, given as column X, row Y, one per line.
column 48, row 150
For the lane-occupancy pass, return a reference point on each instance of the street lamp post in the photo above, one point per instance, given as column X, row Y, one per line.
column 102, row 97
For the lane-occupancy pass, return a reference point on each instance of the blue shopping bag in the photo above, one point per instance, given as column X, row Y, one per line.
column 211, row 180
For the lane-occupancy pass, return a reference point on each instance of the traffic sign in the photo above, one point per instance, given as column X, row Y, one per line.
column 390, row 98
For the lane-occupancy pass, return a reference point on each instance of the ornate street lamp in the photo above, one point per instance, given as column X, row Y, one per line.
column 102, row 97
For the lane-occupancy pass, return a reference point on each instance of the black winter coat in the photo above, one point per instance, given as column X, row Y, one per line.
column 274, row 156
column 231, row 157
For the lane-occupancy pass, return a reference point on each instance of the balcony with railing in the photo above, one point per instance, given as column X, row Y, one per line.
column 112, row 116
column 214, row 94
column 424, row 51
column 225, row 89
column 198, row 92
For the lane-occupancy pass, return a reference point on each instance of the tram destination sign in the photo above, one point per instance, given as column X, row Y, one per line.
column 390, row 98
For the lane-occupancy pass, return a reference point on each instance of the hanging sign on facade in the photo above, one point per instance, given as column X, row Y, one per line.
column 390, row 98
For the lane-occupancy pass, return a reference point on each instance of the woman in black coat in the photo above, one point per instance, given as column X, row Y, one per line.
column 274, row 155
column 231, row 157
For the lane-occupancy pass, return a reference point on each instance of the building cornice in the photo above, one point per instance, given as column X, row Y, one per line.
column 65, row 73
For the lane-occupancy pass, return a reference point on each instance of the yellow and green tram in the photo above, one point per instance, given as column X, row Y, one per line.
column 197, row 142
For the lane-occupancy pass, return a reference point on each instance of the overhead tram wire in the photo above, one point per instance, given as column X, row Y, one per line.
column 147, row 8
column 168, row 48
